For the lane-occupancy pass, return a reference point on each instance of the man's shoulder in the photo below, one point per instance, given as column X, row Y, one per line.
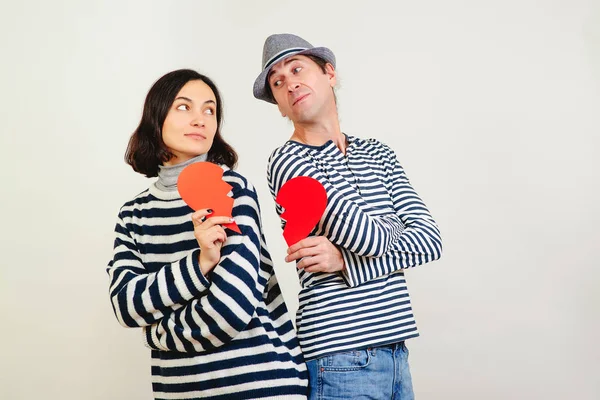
column 287, row 150
column 368, row 142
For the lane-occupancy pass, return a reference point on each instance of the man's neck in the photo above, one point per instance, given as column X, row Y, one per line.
column 319, row 133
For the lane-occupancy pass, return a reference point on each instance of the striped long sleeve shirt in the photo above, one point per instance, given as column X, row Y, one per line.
column 380, row 225
column 226, row 335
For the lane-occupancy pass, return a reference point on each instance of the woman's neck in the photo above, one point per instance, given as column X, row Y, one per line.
column 168, row 174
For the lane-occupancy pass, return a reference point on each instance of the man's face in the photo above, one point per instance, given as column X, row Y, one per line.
column 302, row 90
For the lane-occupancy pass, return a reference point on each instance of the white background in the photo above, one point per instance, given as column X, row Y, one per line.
column 492, row 107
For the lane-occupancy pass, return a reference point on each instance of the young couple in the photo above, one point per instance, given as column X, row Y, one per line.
column 207, row 298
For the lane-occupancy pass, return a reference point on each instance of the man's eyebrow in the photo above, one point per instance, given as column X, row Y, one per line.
column 286, row 62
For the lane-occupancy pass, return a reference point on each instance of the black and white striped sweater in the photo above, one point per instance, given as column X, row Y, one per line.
column 380, row 225
column 223, row 336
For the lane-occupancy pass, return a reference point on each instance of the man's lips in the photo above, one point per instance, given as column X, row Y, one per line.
column 300, row 99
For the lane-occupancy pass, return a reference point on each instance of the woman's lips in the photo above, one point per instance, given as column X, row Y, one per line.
column 196, row 136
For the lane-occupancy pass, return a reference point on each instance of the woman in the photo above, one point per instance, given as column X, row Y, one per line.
column 206, row 298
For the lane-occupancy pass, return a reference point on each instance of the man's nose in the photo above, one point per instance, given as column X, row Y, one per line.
column 292, row 86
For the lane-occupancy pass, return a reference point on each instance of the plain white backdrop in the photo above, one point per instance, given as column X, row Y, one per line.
column 493, row 108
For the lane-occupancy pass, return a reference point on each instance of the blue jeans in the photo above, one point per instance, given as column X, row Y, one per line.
column 374, row 373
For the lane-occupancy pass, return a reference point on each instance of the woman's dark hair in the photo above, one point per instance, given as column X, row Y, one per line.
column 146, row 150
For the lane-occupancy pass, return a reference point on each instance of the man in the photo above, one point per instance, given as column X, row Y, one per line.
column 354, row 313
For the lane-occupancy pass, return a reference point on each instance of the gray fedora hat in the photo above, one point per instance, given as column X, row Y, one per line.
column 279, row 47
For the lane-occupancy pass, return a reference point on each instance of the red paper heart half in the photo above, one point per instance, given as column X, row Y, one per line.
column 304, row 200
column 201, row 185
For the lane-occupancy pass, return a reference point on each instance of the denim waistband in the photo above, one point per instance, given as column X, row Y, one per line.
column 393, row 346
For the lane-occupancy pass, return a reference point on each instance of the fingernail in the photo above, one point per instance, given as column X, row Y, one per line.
column 210, row 211
column 231, row 219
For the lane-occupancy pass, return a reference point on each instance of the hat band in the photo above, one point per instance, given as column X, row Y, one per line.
column 282, row 54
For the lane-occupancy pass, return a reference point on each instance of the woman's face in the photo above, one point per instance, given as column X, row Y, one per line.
column 191, row 124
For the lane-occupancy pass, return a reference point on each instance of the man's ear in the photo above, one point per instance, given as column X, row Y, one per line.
column 331, row 73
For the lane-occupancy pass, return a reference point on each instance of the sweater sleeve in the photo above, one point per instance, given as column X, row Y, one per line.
column 140, row 298
column 227, row 306
column 406, row 238
column 343, row 221
column 418, row 243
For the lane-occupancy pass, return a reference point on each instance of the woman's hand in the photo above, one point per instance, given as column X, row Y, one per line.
column 210, row 236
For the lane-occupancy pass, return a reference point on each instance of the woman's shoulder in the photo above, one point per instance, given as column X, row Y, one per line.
column 144, row 197
column 140, row 201
column 239, row 183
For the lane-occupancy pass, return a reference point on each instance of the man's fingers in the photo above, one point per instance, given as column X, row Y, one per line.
column 313, row 268
column 309, row 262
column 320, row 267
column 312, row 248
column 307, row 242
column 303, row 252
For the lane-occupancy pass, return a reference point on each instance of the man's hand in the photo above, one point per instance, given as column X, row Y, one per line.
column 318, row 255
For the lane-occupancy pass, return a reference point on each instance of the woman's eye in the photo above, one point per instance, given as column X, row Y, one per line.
column 297, row 69
column 182, row 107
column 277, row 83
column 209, row 111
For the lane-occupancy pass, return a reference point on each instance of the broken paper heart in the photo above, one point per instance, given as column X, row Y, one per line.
column 201, row 185
column 304, row 200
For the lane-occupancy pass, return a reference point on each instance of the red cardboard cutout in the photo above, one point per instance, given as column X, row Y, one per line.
column 201, row 185
column 304, row 200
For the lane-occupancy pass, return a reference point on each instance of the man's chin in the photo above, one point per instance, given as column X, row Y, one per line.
column 303, row 117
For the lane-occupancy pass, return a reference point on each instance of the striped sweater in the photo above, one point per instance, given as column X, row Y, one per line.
column 381, row 227
column 226, row 335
